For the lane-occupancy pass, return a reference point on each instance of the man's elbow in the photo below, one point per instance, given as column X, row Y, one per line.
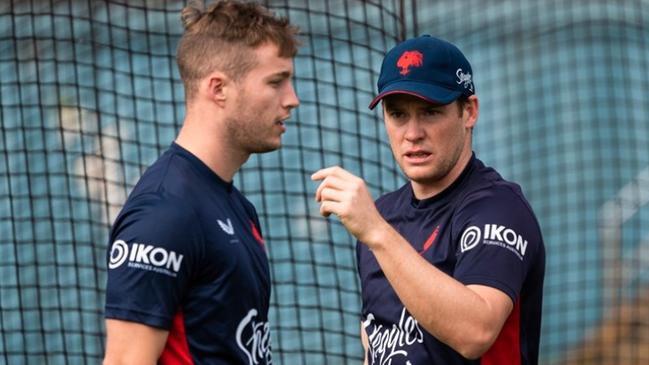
column 122, row 361
column 472, row 352
column 109, row 360
column 116, row 360
column 476, row 344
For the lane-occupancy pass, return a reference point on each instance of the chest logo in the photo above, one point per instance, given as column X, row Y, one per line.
column 429, row 242
column 393, row 343
column 253, row 338
column 227, row 228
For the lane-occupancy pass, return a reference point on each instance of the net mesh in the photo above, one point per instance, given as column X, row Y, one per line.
column 562, row 92
column 90, row 96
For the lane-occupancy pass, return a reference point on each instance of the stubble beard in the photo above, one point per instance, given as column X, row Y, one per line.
column 431, row 177
column 246, row 135
column 437, row 172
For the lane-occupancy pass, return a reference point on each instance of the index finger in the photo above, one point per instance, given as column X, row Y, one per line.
column 332, row 170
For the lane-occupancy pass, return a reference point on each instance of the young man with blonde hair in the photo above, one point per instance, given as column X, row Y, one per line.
column 188, row 276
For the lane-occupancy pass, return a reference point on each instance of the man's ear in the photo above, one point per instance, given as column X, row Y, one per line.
column 216, row 87
column 471, row 111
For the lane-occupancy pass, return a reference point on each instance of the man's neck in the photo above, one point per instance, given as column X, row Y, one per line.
column 210, row 144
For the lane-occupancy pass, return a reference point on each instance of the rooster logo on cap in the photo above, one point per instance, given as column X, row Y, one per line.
column 409, row 59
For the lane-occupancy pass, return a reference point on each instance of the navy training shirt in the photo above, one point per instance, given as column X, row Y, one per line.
column 186, row 255
column 480, row 230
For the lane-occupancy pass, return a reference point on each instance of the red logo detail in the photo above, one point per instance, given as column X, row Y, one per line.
column 256, row 234
column 409, row 59
column 429, row 242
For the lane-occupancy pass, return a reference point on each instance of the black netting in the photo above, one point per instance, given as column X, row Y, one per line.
column 90, row 96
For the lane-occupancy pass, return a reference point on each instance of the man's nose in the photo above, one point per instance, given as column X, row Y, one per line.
column 291, row 100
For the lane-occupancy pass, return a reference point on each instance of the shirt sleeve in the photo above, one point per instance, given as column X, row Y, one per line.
column 154, row 247
column 497, row 240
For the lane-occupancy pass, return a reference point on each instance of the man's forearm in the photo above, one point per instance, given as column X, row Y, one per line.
column 464, row 318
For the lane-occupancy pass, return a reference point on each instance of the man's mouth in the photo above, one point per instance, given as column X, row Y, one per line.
column 280, row 121
column 417, row 154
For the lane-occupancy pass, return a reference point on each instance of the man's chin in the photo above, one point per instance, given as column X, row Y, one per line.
column 264, row 148
column 417, row 172
column 422, row 176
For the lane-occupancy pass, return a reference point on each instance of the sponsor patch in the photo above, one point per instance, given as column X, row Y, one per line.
column 494, row 234
column 145, row 257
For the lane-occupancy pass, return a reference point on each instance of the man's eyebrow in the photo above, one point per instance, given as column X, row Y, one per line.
column 390, row 104
column 432, row 106
column 282, row 74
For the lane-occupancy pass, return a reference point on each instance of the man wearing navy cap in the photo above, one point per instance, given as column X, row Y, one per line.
column 452, row 263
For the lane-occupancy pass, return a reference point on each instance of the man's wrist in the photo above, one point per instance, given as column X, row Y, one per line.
column 379, row 236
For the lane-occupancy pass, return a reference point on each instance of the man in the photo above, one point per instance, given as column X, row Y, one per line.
column 188, row 276
column 452, row 263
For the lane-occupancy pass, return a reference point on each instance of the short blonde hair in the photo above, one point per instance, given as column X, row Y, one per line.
column 223, row 36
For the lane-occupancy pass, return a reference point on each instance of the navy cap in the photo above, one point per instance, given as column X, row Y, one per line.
column 427, row 67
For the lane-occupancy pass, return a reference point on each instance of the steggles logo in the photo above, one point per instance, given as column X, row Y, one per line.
column 253, row 339
column 388, row 344
column 465, row 79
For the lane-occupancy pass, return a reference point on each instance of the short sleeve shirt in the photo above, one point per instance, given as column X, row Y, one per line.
column 186, row 255
column 480, row 230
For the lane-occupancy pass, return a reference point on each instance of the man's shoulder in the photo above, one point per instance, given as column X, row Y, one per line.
column 496, row 202
column 488, row 185
column 488, row 194
column 493, row 190
column 174, row 179
column 168, row 171
column 157, row 209
column 158, row 195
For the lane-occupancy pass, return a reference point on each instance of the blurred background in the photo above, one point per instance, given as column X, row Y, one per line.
column 90, row 96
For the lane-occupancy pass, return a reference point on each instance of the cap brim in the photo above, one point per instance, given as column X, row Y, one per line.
column 430, row 93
